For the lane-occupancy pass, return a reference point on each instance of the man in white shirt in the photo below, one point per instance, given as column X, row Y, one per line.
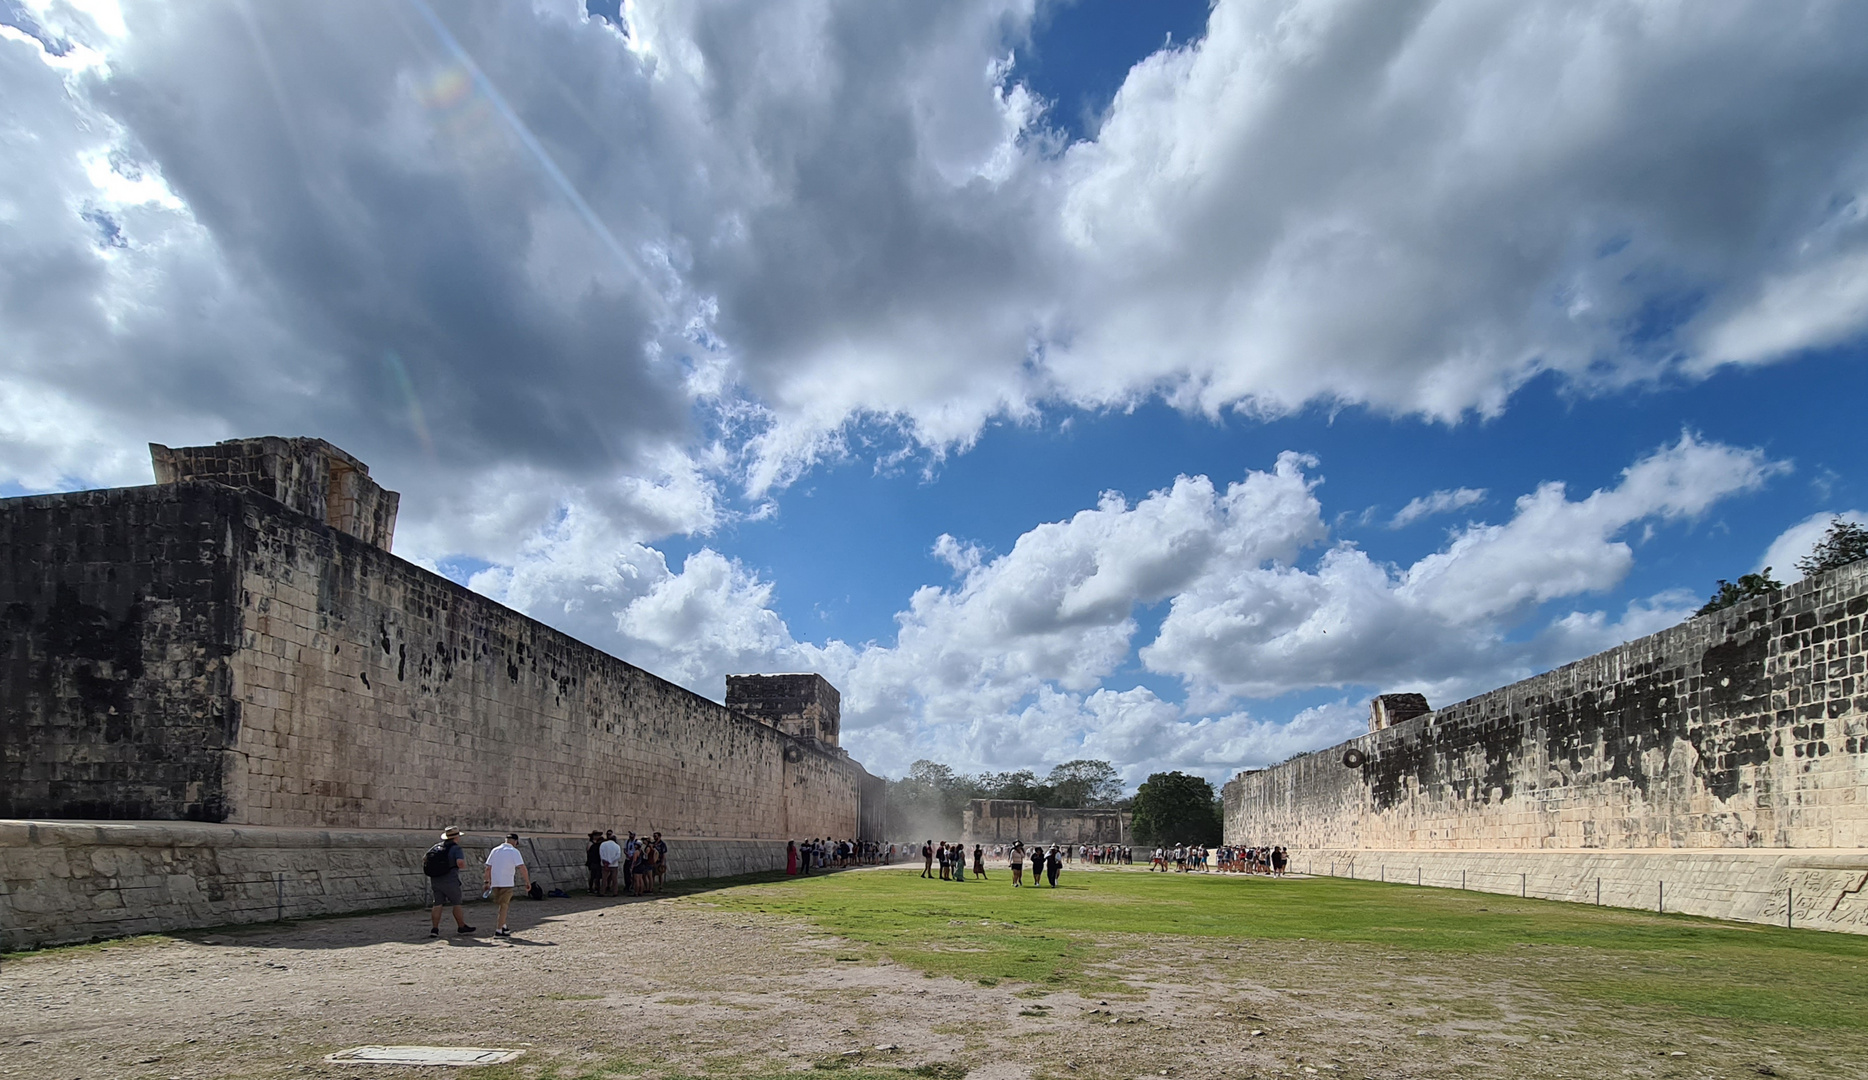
column 611, row 853
column 501, row 864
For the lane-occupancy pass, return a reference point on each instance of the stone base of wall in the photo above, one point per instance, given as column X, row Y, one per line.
column 70, row 881
column 1810, row 888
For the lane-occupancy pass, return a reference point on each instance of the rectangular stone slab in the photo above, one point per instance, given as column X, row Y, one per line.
column 422, row 1055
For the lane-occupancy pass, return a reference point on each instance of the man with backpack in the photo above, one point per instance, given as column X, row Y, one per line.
column 443, row 865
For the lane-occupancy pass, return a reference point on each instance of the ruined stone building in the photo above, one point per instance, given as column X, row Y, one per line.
column 1006, row 821
column 1718, row 767
column 236, row 646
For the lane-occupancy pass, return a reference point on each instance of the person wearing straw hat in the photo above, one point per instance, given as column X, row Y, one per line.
column 443, row 865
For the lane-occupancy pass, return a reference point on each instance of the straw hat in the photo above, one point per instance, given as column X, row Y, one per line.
column 450, row 833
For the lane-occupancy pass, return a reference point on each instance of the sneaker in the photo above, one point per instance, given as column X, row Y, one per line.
column 463, row 930
column 434, row 931
column 502, row 932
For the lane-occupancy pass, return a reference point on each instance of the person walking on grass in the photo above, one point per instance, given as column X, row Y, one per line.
column 443, row 865
column 979, row 861
column 957, row 856
column 927, row 858
column 501, row 864
column 1037, row 865
column 1055, row 865
column 1018, row 864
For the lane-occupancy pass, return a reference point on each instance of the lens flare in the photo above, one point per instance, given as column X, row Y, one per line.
column 417, row 422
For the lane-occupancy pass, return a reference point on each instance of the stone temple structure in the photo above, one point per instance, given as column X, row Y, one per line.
column 223, row 698
column 1005, row 821
column 1719, row 767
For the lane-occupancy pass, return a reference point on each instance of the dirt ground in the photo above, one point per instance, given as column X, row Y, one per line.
column 676, row 986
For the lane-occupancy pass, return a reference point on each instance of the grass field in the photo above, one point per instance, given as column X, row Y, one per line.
column 880, row 975
column 1639, row 964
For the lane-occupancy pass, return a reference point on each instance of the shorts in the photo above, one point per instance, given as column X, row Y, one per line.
column 447, row 890
column 502, row 895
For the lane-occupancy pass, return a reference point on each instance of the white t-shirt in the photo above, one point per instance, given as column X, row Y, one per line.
column 503, row 861
column 610, row 852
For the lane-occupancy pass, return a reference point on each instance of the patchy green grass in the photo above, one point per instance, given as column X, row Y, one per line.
column 1062, row 937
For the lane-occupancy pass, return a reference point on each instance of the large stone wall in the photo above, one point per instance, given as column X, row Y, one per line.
column 1746, row 728
column 372, row 692
column 63, row 882
column 193, row 651
column 1003, row 821
column 117, row 621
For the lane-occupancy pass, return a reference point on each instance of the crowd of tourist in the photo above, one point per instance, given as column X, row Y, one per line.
column 634, row 866
column 637, row 866
column 802, row 857
column 949, row 862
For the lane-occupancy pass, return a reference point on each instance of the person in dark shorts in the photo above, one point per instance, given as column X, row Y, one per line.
column 443, row 865
column 927, row 858
column 1018, row 864
column 979, row 861
column 1037, row 864
column 593, row 861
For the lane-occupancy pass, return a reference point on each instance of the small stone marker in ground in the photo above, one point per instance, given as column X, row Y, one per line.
column 422, row 1055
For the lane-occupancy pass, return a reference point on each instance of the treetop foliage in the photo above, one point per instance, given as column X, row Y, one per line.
column 1844, row 543
column 1175, row 808
column 931, row 797
column 1747, row 586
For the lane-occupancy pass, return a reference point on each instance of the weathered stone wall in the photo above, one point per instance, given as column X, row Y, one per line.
column 192, row 651
column 804, row 705
column 1004, row 821
column 307, row 475
column 63, row 882
column 374, row 694
column 1810, row 889
column 117, row 619
column 1746, row 728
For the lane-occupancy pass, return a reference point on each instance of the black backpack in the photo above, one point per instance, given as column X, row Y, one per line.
column 436, row 863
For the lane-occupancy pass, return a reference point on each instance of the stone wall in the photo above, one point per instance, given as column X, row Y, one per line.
column 372, row 693
column 117, row 620
column 193, row 651
column 1813, row 890
column 1745, row 728
column 1003, row 821
column 64, row 882
column 309, row 476
column 804, row 705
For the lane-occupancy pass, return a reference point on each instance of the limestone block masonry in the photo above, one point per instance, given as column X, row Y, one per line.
column 1745, row 730
column 70, row 881
column 1004, row 821
column 199, row 650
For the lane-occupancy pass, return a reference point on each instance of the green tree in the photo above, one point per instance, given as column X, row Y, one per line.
column 1083, row 783
column 1174, row 808
column 1747, row 586
column 1844, row 543
column 928, row 801
column 1022, row 784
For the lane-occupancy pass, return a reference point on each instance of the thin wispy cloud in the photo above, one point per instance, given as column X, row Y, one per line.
column 1440, row 502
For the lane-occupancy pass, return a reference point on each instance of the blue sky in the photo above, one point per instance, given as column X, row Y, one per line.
column 1133, row 381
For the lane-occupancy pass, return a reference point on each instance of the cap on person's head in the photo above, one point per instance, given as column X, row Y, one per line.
column 512, row 836
column 450, row 832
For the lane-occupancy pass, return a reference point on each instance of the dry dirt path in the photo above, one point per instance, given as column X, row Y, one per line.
column 678, row 987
